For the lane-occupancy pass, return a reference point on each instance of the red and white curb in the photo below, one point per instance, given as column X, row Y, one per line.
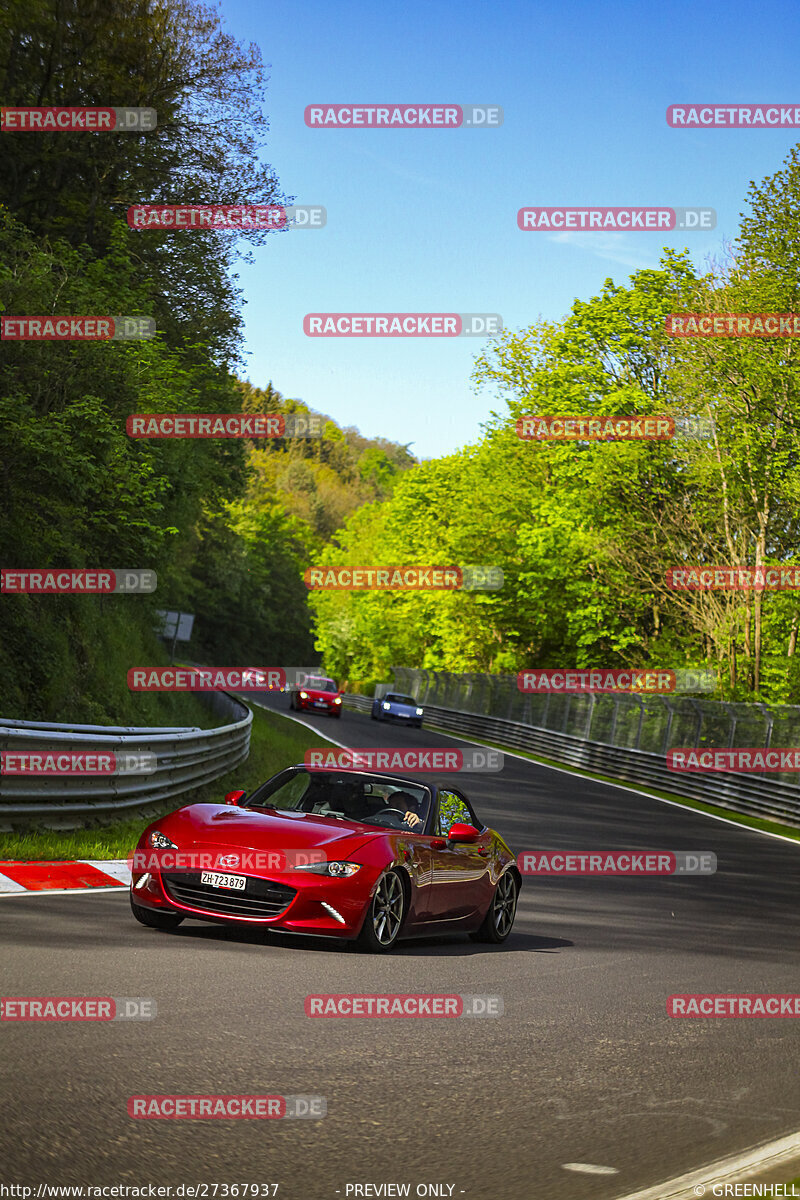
column 84, row 875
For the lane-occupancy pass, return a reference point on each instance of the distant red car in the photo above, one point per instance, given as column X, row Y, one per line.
column 343, row 854
column 318, row 694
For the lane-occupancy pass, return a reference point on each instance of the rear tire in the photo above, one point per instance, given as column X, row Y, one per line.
column 153, row 919
column 499, row 919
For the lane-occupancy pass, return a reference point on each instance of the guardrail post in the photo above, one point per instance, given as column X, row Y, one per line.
column 511, row 684
column 592, row 701
column 613, row 731
column 699, row 720
column 638, row 740
column 733, row 719
column 668, row 730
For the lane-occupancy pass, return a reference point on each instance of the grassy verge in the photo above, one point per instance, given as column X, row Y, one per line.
column 788, row 831
column 275, row 743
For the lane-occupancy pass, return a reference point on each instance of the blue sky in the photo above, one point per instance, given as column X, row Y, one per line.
column 425, row 221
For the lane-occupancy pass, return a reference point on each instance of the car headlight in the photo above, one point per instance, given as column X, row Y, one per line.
column 338, row 700
column 419, row 712
column 161, row 841
column 304, row 695
column 338, row 869
column 386, row 706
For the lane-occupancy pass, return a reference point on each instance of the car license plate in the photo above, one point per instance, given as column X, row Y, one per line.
column 237, row 882
column 320, row 704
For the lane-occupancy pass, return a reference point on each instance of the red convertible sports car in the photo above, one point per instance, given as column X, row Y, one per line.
column 344, row 854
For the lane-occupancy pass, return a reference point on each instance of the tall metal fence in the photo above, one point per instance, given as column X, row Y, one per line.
column 623, row 734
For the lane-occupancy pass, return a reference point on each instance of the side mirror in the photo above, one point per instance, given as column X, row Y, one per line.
column 234, row 797
column 462, row 833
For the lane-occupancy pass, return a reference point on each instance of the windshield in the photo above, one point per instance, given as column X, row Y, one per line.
column 395, row 699
column 321, row 685
column 369, row 799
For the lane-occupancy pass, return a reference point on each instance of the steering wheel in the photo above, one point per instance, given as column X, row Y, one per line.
column 398, row 812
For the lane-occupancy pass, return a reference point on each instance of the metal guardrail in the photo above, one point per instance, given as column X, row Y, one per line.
column 186, row 758
column 631, row 735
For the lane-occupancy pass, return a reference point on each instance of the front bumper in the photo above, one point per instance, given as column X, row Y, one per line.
column 404, row 718
column 292, row 901
column 314, row 706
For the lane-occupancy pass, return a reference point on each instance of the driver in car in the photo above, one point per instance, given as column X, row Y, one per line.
column 411, row 809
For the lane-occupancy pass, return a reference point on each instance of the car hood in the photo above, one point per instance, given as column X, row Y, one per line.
column 213, row 824
column 316, row 694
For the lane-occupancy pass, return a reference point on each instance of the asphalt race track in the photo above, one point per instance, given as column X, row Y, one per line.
column 584, row 1066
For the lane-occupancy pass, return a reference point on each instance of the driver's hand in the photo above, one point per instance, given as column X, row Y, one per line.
column 412, row 819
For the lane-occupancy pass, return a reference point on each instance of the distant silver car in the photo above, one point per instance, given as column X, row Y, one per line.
column 395, row 707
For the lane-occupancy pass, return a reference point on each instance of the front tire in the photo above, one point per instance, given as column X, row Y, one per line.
column 385, row 914
column 153, row 919
column 499, row 919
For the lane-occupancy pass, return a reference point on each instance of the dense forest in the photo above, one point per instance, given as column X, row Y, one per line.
column 584, row 532
column 229, row 526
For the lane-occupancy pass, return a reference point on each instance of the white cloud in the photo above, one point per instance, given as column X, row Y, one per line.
column 616, row 247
